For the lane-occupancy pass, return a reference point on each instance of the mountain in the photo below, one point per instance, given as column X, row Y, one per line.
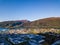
column 13, row 24
column 52, row 22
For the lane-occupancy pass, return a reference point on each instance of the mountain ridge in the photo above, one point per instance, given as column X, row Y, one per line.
column 51, row 22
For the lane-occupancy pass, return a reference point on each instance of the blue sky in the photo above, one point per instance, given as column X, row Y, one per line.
column 28, row 9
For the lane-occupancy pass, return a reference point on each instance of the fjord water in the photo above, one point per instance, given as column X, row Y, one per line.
column 3, row 29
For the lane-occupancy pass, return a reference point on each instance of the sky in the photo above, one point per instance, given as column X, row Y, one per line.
column 28, row 9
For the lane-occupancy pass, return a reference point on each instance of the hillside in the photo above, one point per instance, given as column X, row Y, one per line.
column 52, row 22
column 13, row 24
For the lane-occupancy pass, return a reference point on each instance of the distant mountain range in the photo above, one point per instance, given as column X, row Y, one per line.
column 52, row 22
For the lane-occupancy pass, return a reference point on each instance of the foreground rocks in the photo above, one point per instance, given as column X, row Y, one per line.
column 30, row 39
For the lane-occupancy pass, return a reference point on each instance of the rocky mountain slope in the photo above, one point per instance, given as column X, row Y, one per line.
column 52, row 22
column 13, row 24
